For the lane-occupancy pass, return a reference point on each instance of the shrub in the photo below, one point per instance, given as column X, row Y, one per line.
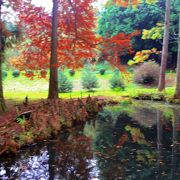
column 89, row 80
column 116, row 82
column 102, row 71
column 147, row 74
column 15, row 73
column 4, row 74
column 64, row 84
column 71, row 72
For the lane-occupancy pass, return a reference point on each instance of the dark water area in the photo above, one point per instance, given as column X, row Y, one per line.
column 140, row 141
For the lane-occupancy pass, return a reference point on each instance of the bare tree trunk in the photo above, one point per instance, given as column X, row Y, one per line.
column 2, row 101
column 177, row 93
column 164, row 56
column 53, row 80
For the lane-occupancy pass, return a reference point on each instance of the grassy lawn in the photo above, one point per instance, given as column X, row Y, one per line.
column 18, row 88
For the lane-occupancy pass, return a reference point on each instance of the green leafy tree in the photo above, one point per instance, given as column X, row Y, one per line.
column 115, row 19
column 89, row 80
column 116, row 82
column 64, row 84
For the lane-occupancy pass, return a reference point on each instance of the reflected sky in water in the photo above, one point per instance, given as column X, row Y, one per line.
column 122, row 142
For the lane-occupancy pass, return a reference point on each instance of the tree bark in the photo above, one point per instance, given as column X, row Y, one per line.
column 177, row 92
column 164, row 56
column 53, row 79
column 2, row 101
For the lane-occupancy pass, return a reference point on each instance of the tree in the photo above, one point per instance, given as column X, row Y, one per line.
column 114, row 47
column 75, row 35
column 164, row 56
column 2, row 101
column 53, row 80
column 177, row 93
column 4, row 34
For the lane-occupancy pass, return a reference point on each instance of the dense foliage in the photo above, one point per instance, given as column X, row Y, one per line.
column 147, row 74
column 117, row 19
column 89, row 80
column 116, row 82
column 64, row 84
column 16, row 73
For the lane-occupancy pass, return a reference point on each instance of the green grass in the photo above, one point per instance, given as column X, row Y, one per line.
column 18, row 88
column 130, row 91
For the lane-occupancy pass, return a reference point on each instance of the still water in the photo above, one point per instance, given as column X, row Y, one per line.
column 140, row 141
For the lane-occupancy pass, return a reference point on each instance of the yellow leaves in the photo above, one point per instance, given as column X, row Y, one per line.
column 153, row 33
column 136, row 134
column 142, row 56
column 151, row 1
column 133, row 3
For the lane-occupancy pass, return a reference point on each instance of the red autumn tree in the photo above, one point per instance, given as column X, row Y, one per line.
column 75, row 34
column 113, row 48
column 76, row 38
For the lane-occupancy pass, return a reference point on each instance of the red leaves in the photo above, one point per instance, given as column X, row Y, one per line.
column 116, row 46
column 122, row 140
column 76, row 37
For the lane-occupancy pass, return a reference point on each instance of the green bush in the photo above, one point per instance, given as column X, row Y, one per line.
column 147, row 74
column 4, row 74
column 64, row 84
column 72, row 72
column 102, row 71
column 116, row 82
column 89, row 80
column 15, row 73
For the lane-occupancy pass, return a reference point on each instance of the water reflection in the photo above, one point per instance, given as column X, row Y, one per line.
column 121, row 143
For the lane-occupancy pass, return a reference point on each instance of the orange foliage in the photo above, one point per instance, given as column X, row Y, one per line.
column 126, row 3
column 76, row 39
column 116, row 46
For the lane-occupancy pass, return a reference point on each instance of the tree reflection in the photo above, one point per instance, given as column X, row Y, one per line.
column 115, row 146
column 122, row 148
column 159, row 141
column 127, row 149
column 176, row 125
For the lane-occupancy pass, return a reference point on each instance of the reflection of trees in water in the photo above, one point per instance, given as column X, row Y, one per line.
column 122, row 147
column 72, row 159
column 120, row 152
column 68, row 160
column 33, row 167
column 176, row 126
column 146, row 117
column 128, row 149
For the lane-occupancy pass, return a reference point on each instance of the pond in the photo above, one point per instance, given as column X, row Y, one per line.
column 138, row 141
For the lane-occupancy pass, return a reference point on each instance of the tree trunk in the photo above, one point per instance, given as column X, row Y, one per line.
column 2, row 101
column 177, row 93
column 164, row 56
column 53, row 80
